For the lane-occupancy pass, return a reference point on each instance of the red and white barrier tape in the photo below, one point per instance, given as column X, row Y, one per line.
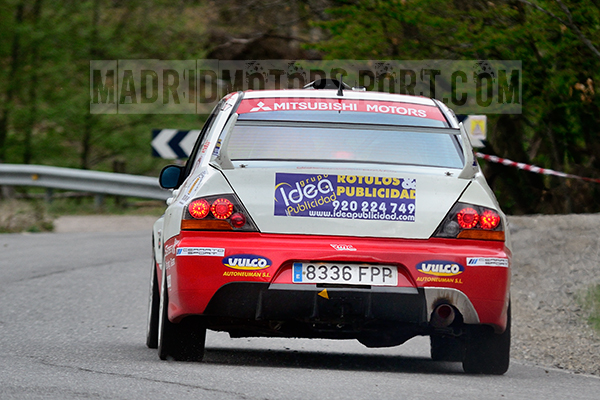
column 532, row 168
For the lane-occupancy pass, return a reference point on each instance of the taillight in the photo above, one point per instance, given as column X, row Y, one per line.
column 222, row 208
column 217, row 213
column 466, row 221
column 489, row 220
column 199, row 209
column 467, row 218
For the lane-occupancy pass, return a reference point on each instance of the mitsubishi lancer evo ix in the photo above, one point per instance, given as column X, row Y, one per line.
column 332, row 213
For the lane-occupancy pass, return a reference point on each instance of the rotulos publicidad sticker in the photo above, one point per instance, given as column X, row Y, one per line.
column 345, row 196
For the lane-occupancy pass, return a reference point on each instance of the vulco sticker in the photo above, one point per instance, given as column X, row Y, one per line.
column 200, row 251
column 487, row 262
column 246, row 262
column 440, row 268
column 343, row 247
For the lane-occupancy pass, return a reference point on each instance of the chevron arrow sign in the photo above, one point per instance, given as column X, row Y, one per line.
column 172, row 143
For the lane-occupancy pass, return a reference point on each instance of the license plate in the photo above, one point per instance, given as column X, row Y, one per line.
column 348, row 274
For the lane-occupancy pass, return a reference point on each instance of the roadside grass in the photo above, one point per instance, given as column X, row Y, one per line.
column 590, row 301
column 24, row 216
column 37, row 215
column 110, row 205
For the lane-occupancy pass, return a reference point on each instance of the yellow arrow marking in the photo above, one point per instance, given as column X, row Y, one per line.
column 324, row 294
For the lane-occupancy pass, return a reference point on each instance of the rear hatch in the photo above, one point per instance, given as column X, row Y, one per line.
column 343, row 166
column 345, row 202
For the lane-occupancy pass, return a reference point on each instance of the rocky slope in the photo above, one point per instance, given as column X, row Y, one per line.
column 556, row 259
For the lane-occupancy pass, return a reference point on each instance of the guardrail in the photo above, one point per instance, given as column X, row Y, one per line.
column 82, row 180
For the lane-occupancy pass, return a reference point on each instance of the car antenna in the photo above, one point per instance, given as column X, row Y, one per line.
column 340, row 91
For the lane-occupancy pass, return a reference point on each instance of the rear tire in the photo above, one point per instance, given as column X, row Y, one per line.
column 487, row 352
column 446, row 348
column 183, row 341
column 153, row 311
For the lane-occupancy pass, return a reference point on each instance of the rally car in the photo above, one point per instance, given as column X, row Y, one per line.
column 338, row 214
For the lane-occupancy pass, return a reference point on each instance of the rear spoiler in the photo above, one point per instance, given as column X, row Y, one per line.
column 222, row 160
column 471, row 167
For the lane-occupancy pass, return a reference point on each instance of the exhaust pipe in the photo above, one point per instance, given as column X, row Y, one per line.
column 442, row 316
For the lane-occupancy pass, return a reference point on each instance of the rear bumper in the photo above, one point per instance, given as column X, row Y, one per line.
column 263, row 301
column 202, row 284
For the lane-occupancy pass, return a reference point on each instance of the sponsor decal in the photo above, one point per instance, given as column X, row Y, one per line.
column 440, row 268
column 217, row 148
column 169, row 253
column 188, row 195
column 487, row 262
column 193, row 185
column 437, row 279
column 169, row 262
column 303, row 104
column 247, row 274
column 260, row 106
column 169, row 249
column 345, row 197
column 201, row 251
column 343, row 247
column 169, row 281
column 246, row 262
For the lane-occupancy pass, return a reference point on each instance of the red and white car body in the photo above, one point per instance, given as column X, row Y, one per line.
column 315, row 213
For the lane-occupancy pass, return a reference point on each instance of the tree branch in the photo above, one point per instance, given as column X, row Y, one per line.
column 254, row 38
column 574, row 27
column 539, row 8
column 569, row 23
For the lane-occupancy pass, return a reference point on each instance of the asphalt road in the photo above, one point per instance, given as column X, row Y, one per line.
column 72, row 326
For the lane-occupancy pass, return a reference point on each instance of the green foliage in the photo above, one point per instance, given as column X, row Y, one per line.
column 591, row 303
column 24, row 216
column 44, row 78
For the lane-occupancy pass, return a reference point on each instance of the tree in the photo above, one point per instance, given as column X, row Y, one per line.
column 44, row 82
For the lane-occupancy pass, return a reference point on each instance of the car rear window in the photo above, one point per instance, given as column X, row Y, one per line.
column 342, row 142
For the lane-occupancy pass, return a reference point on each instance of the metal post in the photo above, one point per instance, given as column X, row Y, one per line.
column 99, row 201
column 49, row 195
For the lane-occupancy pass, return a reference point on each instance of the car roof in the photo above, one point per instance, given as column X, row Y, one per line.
column 332, row 94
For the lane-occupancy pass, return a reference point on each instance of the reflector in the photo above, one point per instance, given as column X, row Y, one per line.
column 238, row 220
column 205, row 225
column 481, row 235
